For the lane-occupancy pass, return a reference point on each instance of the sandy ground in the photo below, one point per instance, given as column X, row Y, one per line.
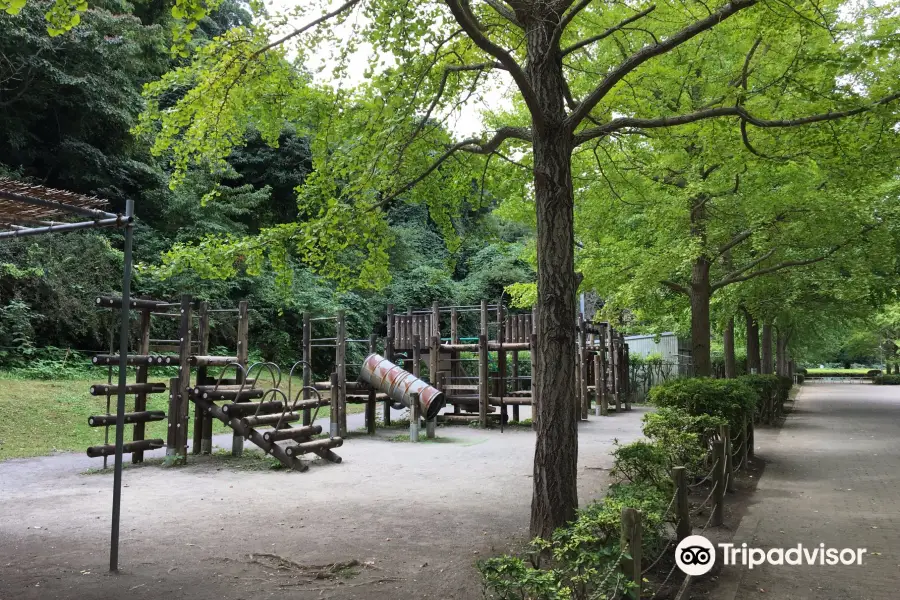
column 415, row 516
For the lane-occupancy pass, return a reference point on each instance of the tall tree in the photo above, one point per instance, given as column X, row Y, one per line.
column 580, row 71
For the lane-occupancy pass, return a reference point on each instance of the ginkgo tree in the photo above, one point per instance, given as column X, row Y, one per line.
column 578, row 73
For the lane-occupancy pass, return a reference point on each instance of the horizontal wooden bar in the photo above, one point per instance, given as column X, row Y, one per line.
column 242, row 409
column 127, row 448
column 273, row 419
column 131, row 360
column 323, row 444
column 144, row 416
column 510, row 401
column 140, row 303
column 102, row 389
column 235, row 395
column 212, row 361
column 292, row 433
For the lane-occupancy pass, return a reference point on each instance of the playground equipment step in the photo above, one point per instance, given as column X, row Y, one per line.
column 236, row 395
column 101, row 389
column 144, row 416
column 293, row 433
column 127, row 448
column 242, row 409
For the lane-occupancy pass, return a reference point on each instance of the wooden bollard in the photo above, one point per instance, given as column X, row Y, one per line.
column 682, row 509
column 631, row 541
column 334, row 417
column 745, row 441
column 718, row 497
column 413, row 417
column 725, row 434
column 750, row 438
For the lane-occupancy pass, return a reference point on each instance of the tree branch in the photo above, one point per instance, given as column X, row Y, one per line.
column 596, row 38
column 472, row 145
column 676, row 287
column 463, row 15
column 734, row 242
column 736, row 277
column 505, row 12
column 647, row 52
column 723, row 111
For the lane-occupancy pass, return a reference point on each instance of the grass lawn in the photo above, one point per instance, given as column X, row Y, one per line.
column 39, row 417
column 847, row 371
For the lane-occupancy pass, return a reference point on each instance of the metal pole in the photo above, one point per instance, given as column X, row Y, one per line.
column 120, row 406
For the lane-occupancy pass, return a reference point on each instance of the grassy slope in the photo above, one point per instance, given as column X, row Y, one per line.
column 41, row 417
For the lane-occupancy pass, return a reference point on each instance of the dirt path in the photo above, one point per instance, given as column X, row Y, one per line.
column 415, row 517
column 832, row 477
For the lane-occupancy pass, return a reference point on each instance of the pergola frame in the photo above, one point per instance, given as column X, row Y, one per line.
column 28, row 210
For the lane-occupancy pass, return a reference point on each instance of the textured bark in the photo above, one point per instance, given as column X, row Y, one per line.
column 781, row 358
column 555, row 498
column 766, row 350
column 728, row 343
column 700, row 293
column 753, row 361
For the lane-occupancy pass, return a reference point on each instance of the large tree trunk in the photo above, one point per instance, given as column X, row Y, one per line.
column 700, row 293
column 766, row 357
column 753, row 361
column 555, row 497
column 781, row 359
column 728, row 343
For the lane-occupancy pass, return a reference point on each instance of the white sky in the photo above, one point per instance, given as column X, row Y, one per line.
column 466, row 122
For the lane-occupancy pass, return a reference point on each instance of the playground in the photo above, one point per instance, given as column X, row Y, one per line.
column 398, row 520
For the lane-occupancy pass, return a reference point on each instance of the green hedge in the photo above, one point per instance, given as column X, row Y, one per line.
column 887, row 380
column 765, row 386
column 838, row 374
column 731, row 399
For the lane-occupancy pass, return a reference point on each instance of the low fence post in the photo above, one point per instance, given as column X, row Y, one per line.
column 631, row 540
column 414, row 417
column 718, row 516
column 682, row 509
column 725, row 434
column 746, row 426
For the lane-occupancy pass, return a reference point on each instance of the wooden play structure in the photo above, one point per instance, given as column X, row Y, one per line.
column 479, row 356
column 251, row 401
column 475, row 359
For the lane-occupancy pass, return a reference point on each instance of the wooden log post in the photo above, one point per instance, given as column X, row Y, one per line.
column 202, row 420
column 341, row 368
column 416, row 355
column 434, row 338
column 600, row 407
column 718, row 497
column 626, row 376
column 371, row 405
column 414, row 415
column 243, row 359
column 483, row 382
column 515, row 382
column 501, row 360
column 173, row 433
column 534, row 395
column 334, row 427
column 631, row 542
column 583, row 368
column 307, row 360
column 389, row 344
column 682, row 508
column 140, row 399
column 744, row 445
column 750, row 438
column 725, row 434
column 184, row 373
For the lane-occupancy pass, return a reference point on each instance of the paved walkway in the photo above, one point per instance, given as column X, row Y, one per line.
column 833, row 477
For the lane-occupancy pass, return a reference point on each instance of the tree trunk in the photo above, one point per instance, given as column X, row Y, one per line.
column 753, row 361
column 728, row 343
column 767, row 349
column 781, row 359
column 555, row 497
column 700, row 293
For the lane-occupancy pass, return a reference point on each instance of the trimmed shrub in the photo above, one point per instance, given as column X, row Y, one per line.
column 730, row 399
column 765, row 386
column 873, row 372
column 683, row 437
column 785, row 384
column 887, row 380
column 800, row 378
